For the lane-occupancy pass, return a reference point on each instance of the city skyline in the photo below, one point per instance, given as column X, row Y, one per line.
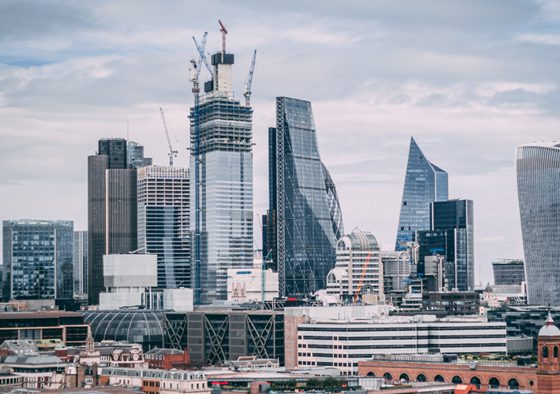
column 468, row 105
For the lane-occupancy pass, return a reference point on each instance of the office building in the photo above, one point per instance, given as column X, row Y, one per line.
column 397, row 268
column 304, row 212
column 424, row 183
column 451, row 237
column 342, row 343
column 163, row 222
column 135, row 155
column 69, row 327
column 358, row 273
column 80, row 263
column 252, row 284
column 112, row 208
column 128, row 279
column 538, row 186
column 222, row 184
column 508, row 272
column 38, row 259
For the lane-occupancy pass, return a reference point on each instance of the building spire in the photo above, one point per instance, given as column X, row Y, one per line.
column 90, row 343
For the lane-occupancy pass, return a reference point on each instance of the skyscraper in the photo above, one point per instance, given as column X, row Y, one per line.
column 451, row 236
column 222, row 184
column 304, row 209
column 424, row 183
column 112, row 208
column 38, row 259
column 163, row 222
column 80, row 262
column 538, row 185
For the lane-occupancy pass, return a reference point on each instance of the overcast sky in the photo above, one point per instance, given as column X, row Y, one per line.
column 470, row 80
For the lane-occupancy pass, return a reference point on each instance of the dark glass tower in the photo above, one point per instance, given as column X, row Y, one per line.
column 304, row 210
column 451, row 236
column 112, row 209
column 38, row 259
column 424, row 183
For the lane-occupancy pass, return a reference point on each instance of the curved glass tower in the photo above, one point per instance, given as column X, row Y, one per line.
column 304, row 204
column 424, row 183
column 538, row 185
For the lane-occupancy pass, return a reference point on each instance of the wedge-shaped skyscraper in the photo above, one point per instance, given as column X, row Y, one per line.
column 304, row 208
column 538, row 185
column 424, row 183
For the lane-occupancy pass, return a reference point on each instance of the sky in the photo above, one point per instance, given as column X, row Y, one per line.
column 469, row 80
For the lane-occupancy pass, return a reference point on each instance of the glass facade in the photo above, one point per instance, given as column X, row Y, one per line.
column 224, row 190
column 163, row 222
column 38, row 259
column 538, row 185
column 508, row 272
column 80, row 262
column 451, row 236
column 424, row 183
column 134, row 326
column 306, row 211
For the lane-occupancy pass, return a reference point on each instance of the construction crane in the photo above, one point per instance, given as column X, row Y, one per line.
column 172, row 152
column 195, row 144
column 249, row 82
column 200, row 49
column 224, row 33
column 362, row 277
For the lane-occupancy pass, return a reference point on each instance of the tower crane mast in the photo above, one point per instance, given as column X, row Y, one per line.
column 249, row 82
column 224, row 33
column 172, row 152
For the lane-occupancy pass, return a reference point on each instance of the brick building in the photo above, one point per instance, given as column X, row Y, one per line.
column 543, row 379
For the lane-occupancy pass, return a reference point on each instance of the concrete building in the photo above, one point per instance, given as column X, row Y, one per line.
column 163, row 222
column 127, row 279
column 80, row 263
column 254, row 284
column 358, row 273
column 222, row 185
column 112, row 208
column 341, row 341
column 397, row 268
column 69, row 327
column 496, row 376
column 37, row 262
column 156, row 381
column 508, row 272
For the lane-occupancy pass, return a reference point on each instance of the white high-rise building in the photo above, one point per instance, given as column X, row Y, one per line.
column 358, row 272
column 163, row 222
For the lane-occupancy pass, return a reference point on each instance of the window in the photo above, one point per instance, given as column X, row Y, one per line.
column 439, row 378
column 545, row 351
column 457, row 380
column 494, row 383
column 513, row 384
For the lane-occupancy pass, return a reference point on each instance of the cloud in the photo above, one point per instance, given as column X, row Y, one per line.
column 542, row 39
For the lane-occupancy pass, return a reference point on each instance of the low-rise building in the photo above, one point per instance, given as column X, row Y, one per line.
column 486, row 374
column 162, row 358
column 251, row 284
column 37, row 371
column 69, row 327
column 342, row 343
column 156, row 381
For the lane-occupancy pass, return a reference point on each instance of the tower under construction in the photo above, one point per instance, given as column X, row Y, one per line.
column 222, row 179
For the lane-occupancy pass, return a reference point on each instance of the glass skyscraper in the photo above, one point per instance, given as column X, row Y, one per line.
column 38, row 259
column 424, row 183
column 304, row 209
column 538, row 186
column 221, row 184
column 163, row 222
column 451, row 236
column 80, row 262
